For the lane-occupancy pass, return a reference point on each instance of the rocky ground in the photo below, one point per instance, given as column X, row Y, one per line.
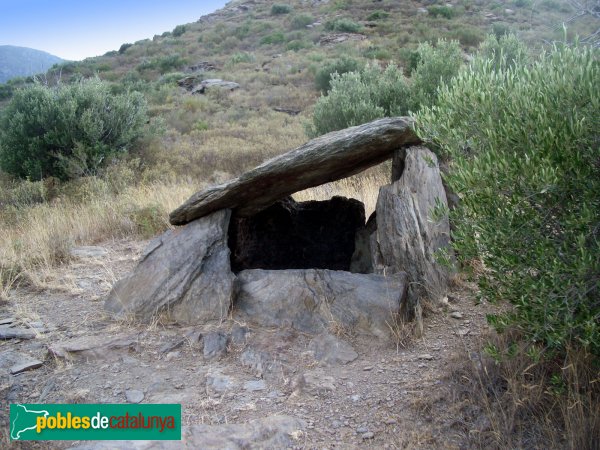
column 240, row 386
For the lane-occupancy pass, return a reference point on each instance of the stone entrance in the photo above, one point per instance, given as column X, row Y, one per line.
column 247, row 249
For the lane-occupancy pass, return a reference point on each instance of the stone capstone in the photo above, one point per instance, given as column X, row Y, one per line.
column 330, row 157
column 292, row 235
column 185, row 272
column 313, row 301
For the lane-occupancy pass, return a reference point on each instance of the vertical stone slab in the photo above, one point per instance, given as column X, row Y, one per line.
column 408, row 237
column 186, row 272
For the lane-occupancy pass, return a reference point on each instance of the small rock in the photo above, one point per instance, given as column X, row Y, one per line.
column 23, row 366
column 255, row 385
column 361, row 430
column 238, row 334
column 368, row 368
column 355, row 398
column 464, row 332
column 218, row 382
column 134, row 396
column 88, row 252
column 390, row 421
column 426, row 356
column 456, row 315
column 215, row 344
column 329, row 349
column 369, row 435
column 172, row 355
column 509, row 11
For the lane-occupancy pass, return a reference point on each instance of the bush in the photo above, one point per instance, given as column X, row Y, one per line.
column 300, row 21
column 436, row 65
column 343, row 26
column 6, row 91
column 507, row 51
column 523, row 141
column 67, row 131
column 359, row 97
column 123, row 48
column 446, row 12
column 297, row 44
column 179, row 30
column 378, row 15
column 500, row 29
column 242, row 57
column 340, row 66
column 277, row 9
column 469, row 36
column 275, row 38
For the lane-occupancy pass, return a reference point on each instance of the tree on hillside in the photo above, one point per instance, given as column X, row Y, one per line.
column 69, row 130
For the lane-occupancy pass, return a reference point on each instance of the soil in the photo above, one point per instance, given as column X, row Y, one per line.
column 390, row 396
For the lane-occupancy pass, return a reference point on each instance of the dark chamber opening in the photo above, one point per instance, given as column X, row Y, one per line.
column 297, row 235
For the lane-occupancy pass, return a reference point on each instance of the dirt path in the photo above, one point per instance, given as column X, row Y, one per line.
column 386, row 397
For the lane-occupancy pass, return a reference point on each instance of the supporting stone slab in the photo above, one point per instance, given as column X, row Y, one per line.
column 316, row 300
column 185, row 272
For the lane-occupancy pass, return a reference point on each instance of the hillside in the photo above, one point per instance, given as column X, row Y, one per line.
column 23, row 61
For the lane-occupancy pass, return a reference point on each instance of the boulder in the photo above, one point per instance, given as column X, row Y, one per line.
column 292, row 235
column 408, row 235
column 214, row 83
column 313, row 301
column 327, row 158
column 186, row 272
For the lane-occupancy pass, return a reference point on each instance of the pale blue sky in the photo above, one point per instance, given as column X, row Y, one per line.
column 79, row 29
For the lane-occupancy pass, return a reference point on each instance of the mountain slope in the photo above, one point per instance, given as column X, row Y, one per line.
column 23, row 61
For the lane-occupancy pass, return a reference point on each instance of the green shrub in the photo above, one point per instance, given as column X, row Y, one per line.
column 523, row 144
column 436, row 65
column 469, row 36
column 376, row 52
column 343, row 26
column 274, row 38
column 277, row 9
column 508, row 51
column 300, row 21
column 523, row 3
column 340, row 66
column 6, row 91
column 67, row 131
column 123, row 48
column 297, row 44
column 179, row 30
column 446, row 12
column 500, row 29
column 378, row 15
column 359, row 97
column 149, row 220
column 242, row 57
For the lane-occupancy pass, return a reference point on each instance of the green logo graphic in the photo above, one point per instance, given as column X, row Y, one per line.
column 95, row 422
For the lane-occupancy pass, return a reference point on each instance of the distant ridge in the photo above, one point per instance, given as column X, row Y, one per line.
column 22, row 61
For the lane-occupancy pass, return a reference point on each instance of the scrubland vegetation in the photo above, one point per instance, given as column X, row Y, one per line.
column 105, row 148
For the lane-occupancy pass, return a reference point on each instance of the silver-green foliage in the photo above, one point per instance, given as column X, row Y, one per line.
column 437, row 65
column 360, row 97
column 524, row 145
column 69, row 130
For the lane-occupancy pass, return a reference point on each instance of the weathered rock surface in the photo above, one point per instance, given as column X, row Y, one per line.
column 270, row 432
column 213, row 83
column 16, row 362
column 338, row 38
column 10, row 332
column 185, row 271
column 407, row 235
column 329, row 349
column 88, row 252
column 291, row 235
column 327, row 158
column 99, row 347
column 316, row 300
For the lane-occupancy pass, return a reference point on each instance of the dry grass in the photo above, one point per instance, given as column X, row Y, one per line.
column 363, row 187
column 42, row 235
column 514, row 401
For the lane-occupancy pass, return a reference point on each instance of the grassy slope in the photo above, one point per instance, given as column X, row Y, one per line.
column 208, row 138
